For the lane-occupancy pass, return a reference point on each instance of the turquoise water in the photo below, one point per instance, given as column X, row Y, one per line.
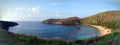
column 55, row 31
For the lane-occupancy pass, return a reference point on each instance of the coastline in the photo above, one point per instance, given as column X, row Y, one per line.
column 103, row 30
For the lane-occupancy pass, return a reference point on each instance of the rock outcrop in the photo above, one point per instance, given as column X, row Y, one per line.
column 67, row 21
column 6, row 24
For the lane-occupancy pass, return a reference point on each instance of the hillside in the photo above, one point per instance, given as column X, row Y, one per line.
column 67, row 21
column 8, row 38
column 108, row 18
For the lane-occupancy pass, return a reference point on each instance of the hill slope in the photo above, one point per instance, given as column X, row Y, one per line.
column 108, row 18
column 8, row 38
column 67, row 21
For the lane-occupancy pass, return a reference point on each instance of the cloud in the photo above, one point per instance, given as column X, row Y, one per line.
column 9, row 15
column 55, row 4
column 28, row 9
column 65, row 3
column 35, row 9
column 22, row 13
column 20, row 8
column 57, row 15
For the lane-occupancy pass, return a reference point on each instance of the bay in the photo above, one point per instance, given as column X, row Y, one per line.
column 52, row 31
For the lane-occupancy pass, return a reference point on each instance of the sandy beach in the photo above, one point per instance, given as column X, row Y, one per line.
column 103, row 30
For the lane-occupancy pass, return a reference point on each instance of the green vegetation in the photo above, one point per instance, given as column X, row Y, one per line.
column 7, row 38
column 109, row 39
column 109, row 19
column 112, row 24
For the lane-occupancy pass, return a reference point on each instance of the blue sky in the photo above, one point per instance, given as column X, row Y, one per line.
column 38, row 10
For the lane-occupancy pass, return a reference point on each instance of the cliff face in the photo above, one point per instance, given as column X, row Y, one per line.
column 67, row 21
column 5, row 24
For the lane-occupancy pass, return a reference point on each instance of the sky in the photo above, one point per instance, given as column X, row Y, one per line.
column 38, row 10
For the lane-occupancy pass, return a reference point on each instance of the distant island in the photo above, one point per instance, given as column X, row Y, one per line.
column 67, row 21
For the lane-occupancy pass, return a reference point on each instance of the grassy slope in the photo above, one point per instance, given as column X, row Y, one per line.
column 7, row 38
column 116, row 40
column 102, row 18
column 110, row 19
column 111, row 39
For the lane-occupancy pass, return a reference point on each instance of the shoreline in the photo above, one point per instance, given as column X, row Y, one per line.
column 103, row 30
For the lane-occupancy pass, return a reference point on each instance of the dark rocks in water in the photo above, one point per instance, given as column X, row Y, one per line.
column 78, row 28
column 6, row 24
column 67, row 21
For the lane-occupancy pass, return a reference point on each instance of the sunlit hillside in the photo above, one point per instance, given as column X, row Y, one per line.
column 108, row 18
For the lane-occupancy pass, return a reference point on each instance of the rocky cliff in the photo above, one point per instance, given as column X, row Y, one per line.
column 6, row 24
column 67, row 21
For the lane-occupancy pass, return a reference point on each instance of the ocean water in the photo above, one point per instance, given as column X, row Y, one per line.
column 55, row 31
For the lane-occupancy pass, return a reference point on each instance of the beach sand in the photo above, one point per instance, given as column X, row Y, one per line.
column 103, row 30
